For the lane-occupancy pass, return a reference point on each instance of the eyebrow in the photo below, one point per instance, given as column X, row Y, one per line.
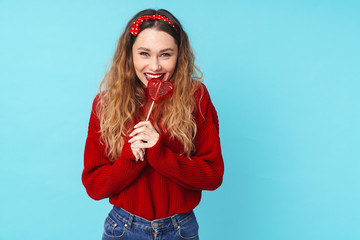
column 163, row 50
column 167, row 49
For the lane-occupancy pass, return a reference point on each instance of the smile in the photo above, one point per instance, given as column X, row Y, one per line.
column 150, row 76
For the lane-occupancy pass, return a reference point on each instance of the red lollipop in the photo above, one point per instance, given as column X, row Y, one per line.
column 157, row 90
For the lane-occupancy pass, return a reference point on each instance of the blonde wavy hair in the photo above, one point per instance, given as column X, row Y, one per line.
column 122, row 96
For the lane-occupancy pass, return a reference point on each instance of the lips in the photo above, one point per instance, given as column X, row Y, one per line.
column 152, row 76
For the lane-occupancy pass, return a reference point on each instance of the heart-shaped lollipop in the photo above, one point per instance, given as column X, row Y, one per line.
column 157, row 90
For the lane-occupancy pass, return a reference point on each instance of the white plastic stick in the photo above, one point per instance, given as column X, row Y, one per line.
column 147, row 118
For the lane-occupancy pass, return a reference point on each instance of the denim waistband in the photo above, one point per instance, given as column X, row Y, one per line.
column 131, row 220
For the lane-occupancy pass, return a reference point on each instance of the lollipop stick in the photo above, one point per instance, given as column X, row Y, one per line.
column 147, row 118
column 152, row 105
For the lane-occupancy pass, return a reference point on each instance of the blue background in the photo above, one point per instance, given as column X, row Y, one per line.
column 283, row 76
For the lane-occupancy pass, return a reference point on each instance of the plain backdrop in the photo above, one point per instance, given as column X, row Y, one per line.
column 283, row 76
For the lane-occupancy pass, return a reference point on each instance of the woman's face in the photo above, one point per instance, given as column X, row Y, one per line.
column 155, row 55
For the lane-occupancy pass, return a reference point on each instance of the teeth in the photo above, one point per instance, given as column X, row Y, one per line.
column 153, row 76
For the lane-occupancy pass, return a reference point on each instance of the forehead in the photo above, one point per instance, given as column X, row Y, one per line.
column 154, row 40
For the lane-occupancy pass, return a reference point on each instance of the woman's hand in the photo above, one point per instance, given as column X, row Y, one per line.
column 139, row 153
column 143, row 136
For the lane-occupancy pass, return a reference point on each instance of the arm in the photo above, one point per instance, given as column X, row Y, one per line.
column 102, row 178
column 204, row 170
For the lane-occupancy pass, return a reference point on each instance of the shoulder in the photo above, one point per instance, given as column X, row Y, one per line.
column 202, row 95
column 96, row 104
column 205, row 110
column 95, row 110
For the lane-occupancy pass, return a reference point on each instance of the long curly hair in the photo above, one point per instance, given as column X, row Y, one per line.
column 122, row 95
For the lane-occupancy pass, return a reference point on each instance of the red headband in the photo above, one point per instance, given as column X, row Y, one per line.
column 135, row 26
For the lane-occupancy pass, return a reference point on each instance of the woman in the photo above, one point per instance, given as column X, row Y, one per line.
column 152, row 171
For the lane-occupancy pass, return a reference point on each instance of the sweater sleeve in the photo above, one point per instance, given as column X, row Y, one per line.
column 202, row 171
column 102, row 178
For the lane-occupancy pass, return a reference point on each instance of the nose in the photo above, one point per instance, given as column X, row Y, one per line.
column 155, row 64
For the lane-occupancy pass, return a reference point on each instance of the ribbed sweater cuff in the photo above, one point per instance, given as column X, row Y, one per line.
column 156, row 153
column 127, row 157
column 127, row 152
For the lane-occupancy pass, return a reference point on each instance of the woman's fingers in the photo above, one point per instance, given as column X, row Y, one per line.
column 136, row 154
column 140, row 145
column 141, row 127
column 138, row 130
column 139, row 137
column 139, row 153
column 143, row 123
column 144, row 135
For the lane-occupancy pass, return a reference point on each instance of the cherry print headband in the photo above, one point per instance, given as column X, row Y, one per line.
column 135, row 26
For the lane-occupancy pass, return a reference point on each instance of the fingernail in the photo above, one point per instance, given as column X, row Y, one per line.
column 135, row 126
column 130, row 134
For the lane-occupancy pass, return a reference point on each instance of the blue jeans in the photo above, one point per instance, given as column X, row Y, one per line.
column 120, row 224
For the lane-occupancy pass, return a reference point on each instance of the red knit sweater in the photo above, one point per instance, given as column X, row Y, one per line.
column 166, row 183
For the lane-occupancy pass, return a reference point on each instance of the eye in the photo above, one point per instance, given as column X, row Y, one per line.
column 165, row 55
column 144, row 53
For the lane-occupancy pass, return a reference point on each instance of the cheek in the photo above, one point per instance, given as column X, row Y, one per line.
column 138, row 67
column 136, row 63
column 171, row 66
